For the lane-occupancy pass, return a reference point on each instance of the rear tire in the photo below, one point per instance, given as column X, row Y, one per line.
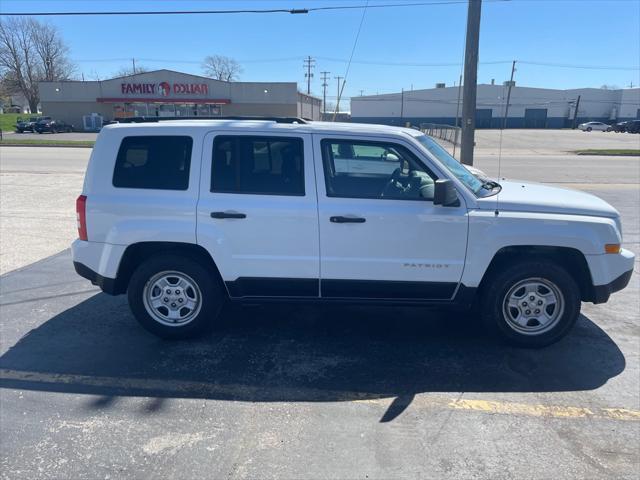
column 175, row 297
column 531, row 303
column 589, row 129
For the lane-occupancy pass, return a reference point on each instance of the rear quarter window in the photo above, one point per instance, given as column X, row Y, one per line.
column 153, row 162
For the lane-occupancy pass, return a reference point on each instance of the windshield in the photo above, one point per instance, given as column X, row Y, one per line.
column 451, row 164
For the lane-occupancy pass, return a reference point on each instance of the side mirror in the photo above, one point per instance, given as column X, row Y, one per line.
column 445, row 194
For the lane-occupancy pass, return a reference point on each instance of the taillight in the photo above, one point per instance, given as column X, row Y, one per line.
column 81, row 216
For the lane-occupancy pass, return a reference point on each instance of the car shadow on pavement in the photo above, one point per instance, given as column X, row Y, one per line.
column 293, row 353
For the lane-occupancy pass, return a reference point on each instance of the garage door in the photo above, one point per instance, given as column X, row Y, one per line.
column 535, row 118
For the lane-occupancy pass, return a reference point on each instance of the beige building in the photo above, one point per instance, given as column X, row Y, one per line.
column 167, row 93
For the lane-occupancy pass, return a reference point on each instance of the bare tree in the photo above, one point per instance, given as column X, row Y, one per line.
column 30, row 52
column 221, row 68
column 52, row 52
column 128, row 70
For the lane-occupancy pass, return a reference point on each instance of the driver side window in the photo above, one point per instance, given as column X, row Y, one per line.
column 376, row 170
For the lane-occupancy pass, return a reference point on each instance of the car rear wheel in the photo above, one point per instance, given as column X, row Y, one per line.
column 175, row 297
column 531, row 303
column 589, row 129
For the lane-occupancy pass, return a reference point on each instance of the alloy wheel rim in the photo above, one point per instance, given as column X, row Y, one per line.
column 533, row 306
column 172, row 298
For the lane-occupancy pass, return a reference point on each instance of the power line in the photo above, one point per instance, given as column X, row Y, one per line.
column 568, row 65
column 241, row 11
column 368, row 62
column 408, row 64
column 353, row 50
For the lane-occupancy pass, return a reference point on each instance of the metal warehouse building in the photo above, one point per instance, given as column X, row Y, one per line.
column 528, row 107
column 167, row 93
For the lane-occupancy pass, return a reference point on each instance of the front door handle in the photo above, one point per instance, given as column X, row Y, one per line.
column 341, row 219
column 227, row 215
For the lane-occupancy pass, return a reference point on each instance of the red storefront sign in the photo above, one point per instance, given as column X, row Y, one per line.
column 164, row 88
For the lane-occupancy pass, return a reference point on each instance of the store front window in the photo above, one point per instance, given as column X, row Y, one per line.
column 127, row 110
column 167, row 110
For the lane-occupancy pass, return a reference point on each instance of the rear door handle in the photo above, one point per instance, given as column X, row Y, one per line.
column 341, row 219
column 227, row 215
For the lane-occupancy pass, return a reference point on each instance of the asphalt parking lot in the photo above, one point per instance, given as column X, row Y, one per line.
column 286, row 391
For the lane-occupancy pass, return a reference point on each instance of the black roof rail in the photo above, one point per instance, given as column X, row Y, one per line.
column 145, row 119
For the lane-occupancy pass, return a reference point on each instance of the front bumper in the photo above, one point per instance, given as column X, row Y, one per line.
column 601, row 293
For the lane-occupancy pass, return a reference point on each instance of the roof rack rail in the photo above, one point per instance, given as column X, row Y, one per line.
column 145, row 119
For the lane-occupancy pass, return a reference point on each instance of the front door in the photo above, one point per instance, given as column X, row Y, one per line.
column 381, row 236
column 257, row 213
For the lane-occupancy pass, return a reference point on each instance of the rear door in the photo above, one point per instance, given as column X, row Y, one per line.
column 257, row 213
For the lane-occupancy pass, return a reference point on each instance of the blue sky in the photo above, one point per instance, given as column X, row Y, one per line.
column 272, row 47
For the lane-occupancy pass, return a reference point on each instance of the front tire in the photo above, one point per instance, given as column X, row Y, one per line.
column 531, row 304
column 175, row 297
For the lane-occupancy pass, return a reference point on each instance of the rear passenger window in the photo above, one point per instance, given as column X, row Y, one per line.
column 259, row 165
column 153, row 162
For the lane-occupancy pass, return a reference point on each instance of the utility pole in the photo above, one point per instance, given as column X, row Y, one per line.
column 338, row 78
column 470, row 81
column 455, row 138
column 575, row 114
column 309, row 63
column 361, row 92
column 325, row 76
column 133, row 61
column 506, row 109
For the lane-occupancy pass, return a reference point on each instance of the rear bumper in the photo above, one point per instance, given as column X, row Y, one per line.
column 601, row 293
column 107, row 285
column 98, row 262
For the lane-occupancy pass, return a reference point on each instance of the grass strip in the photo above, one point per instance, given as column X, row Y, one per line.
column 46, row 143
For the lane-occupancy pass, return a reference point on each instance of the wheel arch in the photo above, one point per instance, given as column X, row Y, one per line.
column 137, row 253
column 571, row 259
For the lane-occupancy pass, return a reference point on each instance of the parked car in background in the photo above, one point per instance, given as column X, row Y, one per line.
column 53, row 126
column 619, row 127
column 598, row 126
column 28, row 124
column 633, row 126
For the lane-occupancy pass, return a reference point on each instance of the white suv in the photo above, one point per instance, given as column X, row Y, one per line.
column 187, row 215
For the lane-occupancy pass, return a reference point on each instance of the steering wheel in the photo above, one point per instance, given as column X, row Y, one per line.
column 392, row 185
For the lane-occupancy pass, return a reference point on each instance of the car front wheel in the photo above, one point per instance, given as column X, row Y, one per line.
column 531, row 304
column 175, row 297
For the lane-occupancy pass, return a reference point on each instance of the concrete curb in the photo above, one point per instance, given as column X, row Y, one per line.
column 591, row 154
